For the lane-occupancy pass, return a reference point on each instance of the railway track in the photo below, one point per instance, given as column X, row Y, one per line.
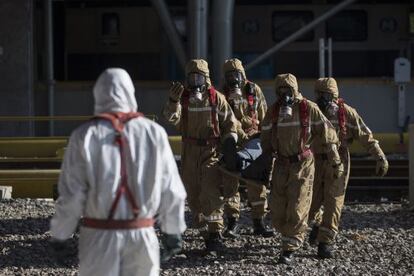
column 364, row 186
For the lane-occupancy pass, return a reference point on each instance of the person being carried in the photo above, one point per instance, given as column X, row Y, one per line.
column 249, row 106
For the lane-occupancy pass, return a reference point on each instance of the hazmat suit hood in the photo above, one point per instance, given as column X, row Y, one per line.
column 327, row 85
column 199, row 66
column 287, row 80
column 234, row 64
column 114, row 92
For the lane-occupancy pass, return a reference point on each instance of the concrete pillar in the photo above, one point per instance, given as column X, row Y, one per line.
column 222, row 36
column 411, row 165
column 197, row 26
column 321, row 57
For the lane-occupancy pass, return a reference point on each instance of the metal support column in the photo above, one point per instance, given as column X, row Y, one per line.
column 321, row 57
column 222, row 35
column 401, row 105
column 170, row 30
column 330, row 57
column 50, row 78
column 197, row 23
column 299, row 33
column 322, row 62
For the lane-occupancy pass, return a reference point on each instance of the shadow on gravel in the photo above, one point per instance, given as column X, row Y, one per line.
column 33, row 253
column 28, row 226
column 401, row 219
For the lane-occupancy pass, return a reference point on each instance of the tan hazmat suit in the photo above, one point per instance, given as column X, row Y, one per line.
column 294, row 171
column 250, row 124
column 199, row 160
column 328, row 191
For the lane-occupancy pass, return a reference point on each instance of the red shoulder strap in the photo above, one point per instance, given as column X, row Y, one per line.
column 251, row 100
column 185, row 101
column 226, row 92
column 342, row 118
column 250, row 95
column 118, row 121
column 275, row 113
column 213, row 103
column 304, row 121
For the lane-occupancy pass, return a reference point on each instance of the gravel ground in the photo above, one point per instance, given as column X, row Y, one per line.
column 374, row 240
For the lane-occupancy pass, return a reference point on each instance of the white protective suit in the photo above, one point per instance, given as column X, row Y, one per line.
column 90, row 177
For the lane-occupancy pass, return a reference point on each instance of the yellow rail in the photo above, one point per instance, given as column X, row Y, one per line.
column 39, row 183
column 56, row 118
column 30, row 183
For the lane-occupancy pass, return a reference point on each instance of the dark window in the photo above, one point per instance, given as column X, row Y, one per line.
column 110, row 24
column 285, row 23
column 348, row 25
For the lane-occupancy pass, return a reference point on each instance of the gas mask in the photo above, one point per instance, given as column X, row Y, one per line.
column 327, row 104
column 196, row 84
column 286, row 100
column 234, row 81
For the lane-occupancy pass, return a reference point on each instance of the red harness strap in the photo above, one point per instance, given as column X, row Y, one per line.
column 275, row 118
column 275, row 113
column 251, row 101
column 213, row 103
column 118, row 121
column 304, row 121
column 342, row 119
column 185, row 102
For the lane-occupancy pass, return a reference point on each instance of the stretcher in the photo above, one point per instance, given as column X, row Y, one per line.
column 243, row 179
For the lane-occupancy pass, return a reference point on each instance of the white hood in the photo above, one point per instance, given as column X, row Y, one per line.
column 114, row 92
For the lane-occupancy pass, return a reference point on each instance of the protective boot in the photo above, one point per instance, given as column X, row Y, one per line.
column 197, row 223
column 233, row 228
column 325, row 251
column 214, row 243
column 261, row 229
column 313, row 235
column 286, row 257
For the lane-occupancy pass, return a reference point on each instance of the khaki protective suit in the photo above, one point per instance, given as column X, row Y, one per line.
column 250, row 125
column 292, row 180
column 328, row 191
column 199, row 161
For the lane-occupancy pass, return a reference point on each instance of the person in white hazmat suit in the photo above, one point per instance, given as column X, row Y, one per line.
column 118, row 173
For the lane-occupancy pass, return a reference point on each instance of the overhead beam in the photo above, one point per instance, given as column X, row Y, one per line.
column 299, row 33
column 170, row 30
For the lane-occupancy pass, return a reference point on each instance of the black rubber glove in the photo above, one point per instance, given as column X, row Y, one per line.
column 173, row 244
column 61, row 250
column 230, row 157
